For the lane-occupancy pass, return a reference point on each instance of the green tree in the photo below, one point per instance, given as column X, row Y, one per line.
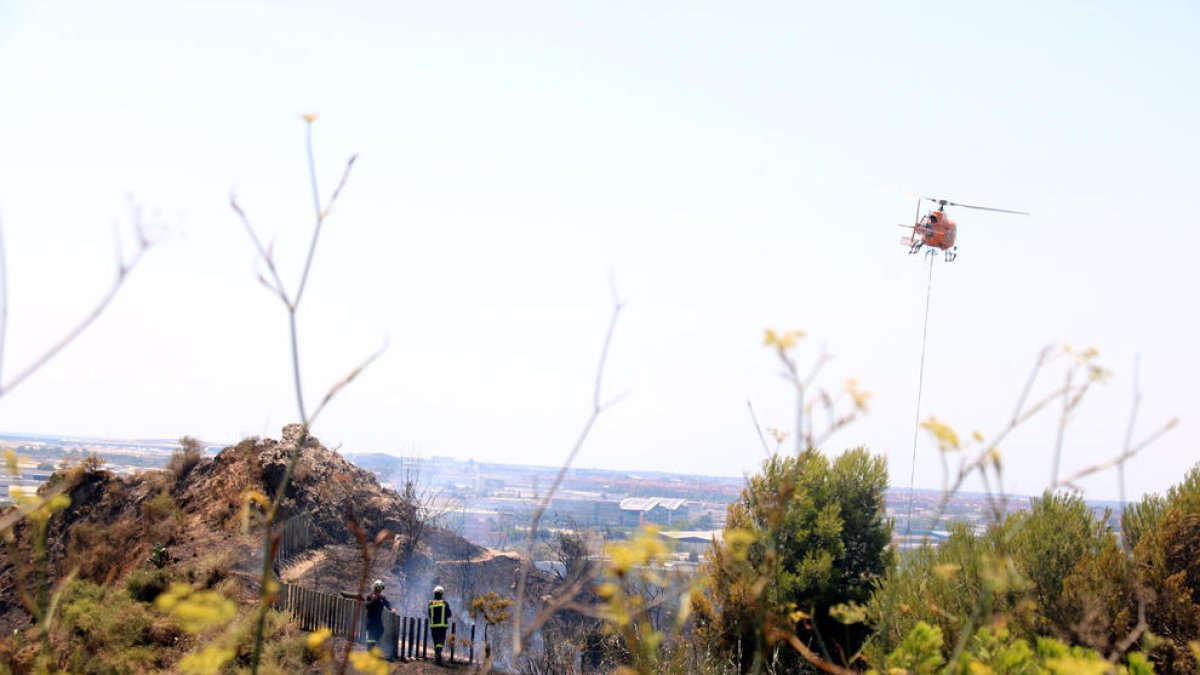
column 1045, row 571
column 806, row 536
column 1048, row 542
column 1166, row 557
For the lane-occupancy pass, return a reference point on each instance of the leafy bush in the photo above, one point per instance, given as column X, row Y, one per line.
column 99, row 550
column 1166, row 558
column 211, row 570
column 1048, row 542
column 161, row 507
column 1031, row 571
column 804, row 536
column 185, row 458
column 103, row 630
column 996, row 651
column 146, row 585
column 285, row 650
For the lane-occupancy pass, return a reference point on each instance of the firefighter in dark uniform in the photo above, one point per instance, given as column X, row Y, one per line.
column 439, row 622
column 376, row 604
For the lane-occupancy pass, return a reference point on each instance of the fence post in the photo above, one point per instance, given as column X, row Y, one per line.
column 404, row 641
column 306, row 603
column 412, row 637
column 393, row 643
column 302, row 607
column 471, row 652
column 425, row 638
column 453, row 632
column 310, row 610
column 331, row 610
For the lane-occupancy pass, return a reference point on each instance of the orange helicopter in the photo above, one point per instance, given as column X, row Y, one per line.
column 936, row 230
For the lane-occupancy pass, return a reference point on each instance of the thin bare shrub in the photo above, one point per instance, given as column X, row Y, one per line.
column 266, row 510
column 38, row 593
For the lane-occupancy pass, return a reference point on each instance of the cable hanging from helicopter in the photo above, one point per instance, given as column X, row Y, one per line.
column 936, row 230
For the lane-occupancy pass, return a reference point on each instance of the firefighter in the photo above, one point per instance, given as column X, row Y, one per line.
column 439, row 622
column 376, row 604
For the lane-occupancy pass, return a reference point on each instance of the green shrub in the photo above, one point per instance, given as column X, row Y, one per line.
column 1047, row 543
column 805, row 535
column 161, row 507
column 211, row 570
column 995, row 650
column 942, row 586
column 1166, row 558
column 920, row 652
column 103, row 630
column 185, row 458
column 145, row 585
column 284, row 648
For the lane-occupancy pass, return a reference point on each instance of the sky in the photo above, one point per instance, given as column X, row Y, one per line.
column 725, row 167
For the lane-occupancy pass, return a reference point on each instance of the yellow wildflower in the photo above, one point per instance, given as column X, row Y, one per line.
column 946, row 437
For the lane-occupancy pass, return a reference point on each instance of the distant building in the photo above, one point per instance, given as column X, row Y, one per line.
column 583, row 512
column 637, row 511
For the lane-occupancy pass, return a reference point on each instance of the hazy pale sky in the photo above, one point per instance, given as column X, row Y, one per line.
column 722, row 161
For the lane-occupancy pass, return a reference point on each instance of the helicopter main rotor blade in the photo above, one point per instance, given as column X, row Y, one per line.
column 945, row 202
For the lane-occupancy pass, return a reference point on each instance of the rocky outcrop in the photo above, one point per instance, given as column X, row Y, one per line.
column 114, row 522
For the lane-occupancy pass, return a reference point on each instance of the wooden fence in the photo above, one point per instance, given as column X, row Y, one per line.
column 295, row 538
column 404, row 637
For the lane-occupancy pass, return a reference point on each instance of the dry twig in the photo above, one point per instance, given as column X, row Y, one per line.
column 598, row 407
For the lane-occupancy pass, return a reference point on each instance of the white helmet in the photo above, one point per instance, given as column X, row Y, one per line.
column 438, row 590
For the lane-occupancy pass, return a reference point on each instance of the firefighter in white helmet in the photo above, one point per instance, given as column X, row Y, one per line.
column 439, row 622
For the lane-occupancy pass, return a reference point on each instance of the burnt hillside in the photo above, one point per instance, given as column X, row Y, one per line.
column 197, row 513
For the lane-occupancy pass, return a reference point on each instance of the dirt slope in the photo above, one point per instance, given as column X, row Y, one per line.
column 114, row 522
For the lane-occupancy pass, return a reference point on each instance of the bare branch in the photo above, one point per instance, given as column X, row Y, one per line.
column 1119, row 459
column 291, row 304
column 320, row 212
column 124, row 267
column 267, row 284
column 294, row 334
column 822, row 359
column 1062, row 428
column 1133, row 412
column 345, row 381
column 758, row 428
column 1135, row 634
column 1043, row 356
column 263, row 253
column 809, row 655
column 597, row 409
column 566, row 599
column 341, row 184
